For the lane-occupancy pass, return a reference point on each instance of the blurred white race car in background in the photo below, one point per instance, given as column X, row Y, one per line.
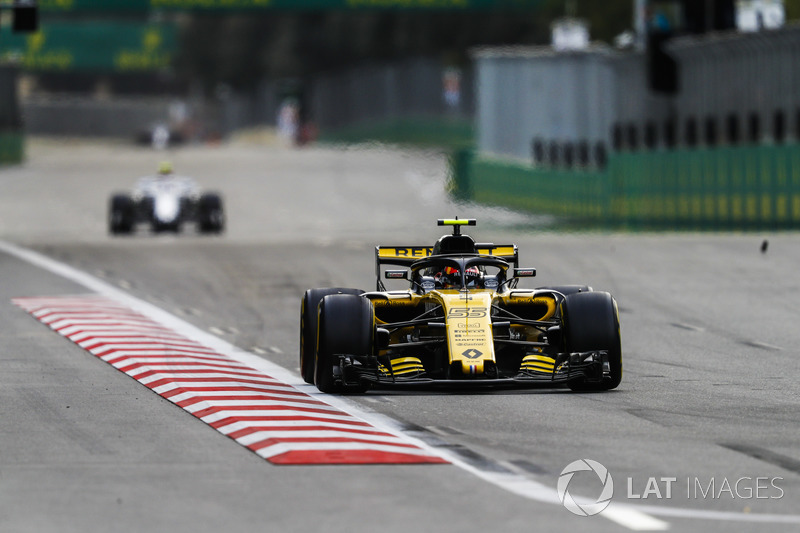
column 166, row 201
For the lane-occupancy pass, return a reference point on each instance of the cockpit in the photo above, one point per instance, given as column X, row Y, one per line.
column 457, row 272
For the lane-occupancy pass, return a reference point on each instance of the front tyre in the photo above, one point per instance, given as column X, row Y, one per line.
column 210, row 213
column 346, row 327
column 590, row 321
column 308, row 327
column 121, row 214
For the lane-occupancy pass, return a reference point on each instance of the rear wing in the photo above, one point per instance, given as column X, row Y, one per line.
column 406, row 255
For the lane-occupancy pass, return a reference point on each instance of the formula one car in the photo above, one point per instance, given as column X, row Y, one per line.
column 462, row 322
column 165, row 202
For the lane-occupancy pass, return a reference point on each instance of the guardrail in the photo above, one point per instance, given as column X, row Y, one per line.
column 730, row 188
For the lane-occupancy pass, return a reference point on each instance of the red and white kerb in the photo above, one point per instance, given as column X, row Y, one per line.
column 275, row 420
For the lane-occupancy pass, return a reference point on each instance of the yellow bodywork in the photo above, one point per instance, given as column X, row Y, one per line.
column 468, row 323
column 420, row 252
column 538, row 363
column 469, row 328
column 403, row 365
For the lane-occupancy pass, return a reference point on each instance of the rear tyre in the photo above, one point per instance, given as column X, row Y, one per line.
column 590, row 321
column 346, row 326
column 210, row 215
column 308, row 327
column 121, row 214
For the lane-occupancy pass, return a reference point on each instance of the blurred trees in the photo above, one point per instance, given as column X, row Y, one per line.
column 240, row 50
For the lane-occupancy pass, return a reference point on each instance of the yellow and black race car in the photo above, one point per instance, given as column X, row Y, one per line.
column 462, row 322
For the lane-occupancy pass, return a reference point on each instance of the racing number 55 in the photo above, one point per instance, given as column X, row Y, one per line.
column 466, row 312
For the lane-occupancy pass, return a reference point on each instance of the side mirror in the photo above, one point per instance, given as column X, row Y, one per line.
column 396, row 274
column 524, row 272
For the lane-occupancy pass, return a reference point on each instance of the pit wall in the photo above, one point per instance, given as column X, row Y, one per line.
column 729, row 188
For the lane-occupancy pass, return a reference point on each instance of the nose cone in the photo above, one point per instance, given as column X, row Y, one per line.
column 472, row 368
column 167, row 208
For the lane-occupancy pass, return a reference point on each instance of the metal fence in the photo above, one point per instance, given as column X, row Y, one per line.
column 569, row 110
column 412, row 88
column 723, row 187
column 10, row 117
column 11, row 143
column 726, row 188
column 534, row 99
column 236, row 111
column 722, row 153
column 558, row 109
column 738, row 88
column 92, row 117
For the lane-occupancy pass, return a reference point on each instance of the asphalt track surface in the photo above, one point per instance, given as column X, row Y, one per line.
column 709, row 328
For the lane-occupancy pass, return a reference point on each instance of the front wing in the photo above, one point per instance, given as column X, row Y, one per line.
column 589, row 367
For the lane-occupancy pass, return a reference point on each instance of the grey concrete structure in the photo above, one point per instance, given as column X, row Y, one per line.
column 732, row 88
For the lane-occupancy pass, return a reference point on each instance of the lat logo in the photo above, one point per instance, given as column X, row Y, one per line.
column 585, row 509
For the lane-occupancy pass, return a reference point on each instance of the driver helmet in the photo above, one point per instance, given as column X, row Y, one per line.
column 472, row 276
column 450, row 277
column 165, row 168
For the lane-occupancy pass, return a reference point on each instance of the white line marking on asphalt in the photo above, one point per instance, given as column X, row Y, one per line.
column 765, row 345
column 197, row 386
column 237, row 426
column 690, row 327
column 443, row 431
column 190, row 395
column 631, row 516
column 233, row 413
column 172, row 376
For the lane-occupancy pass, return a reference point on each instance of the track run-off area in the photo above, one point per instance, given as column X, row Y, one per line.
column 151, row 380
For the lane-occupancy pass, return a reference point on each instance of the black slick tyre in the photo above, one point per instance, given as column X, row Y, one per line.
column 121, row 214
column 210, row 214
column 591, row 322
column 308, row 327
column 346, row 327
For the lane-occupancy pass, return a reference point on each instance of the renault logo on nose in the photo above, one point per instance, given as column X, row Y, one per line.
column 472, row 353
